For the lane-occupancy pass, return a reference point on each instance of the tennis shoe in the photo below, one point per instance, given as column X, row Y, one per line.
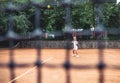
column 73, row 55
column 77, row 56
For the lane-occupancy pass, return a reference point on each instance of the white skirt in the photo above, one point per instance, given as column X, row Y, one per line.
column 75, row 48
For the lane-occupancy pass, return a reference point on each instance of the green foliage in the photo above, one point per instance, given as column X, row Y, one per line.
column 21, row 23
column 3, row 21
column 111, row 15
column 53, row 19
column 82, row 16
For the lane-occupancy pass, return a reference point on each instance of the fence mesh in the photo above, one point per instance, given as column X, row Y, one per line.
column 11, row 36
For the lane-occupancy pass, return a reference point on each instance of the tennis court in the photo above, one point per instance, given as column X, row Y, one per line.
column 58, row 66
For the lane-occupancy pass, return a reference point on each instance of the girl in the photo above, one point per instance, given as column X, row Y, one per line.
column 75, row 46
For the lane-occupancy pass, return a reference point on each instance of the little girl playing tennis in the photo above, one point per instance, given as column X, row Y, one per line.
column 75, row 45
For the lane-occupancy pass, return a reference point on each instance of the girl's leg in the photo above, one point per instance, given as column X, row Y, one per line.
column 76, row 53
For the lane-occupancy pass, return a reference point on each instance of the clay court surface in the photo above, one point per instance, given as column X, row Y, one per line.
column 83, row 70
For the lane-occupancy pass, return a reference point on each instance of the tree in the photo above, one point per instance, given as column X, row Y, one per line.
column 82, row 15
column 53, row 18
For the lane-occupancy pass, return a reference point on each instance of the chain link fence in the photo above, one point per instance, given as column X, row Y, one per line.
column 11, row 36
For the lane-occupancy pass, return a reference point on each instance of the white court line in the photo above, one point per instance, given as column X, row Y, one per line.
column 29, row 70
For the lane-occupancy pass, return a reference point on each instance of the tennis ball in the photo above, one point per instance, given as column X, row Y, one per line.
column 48, row 6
